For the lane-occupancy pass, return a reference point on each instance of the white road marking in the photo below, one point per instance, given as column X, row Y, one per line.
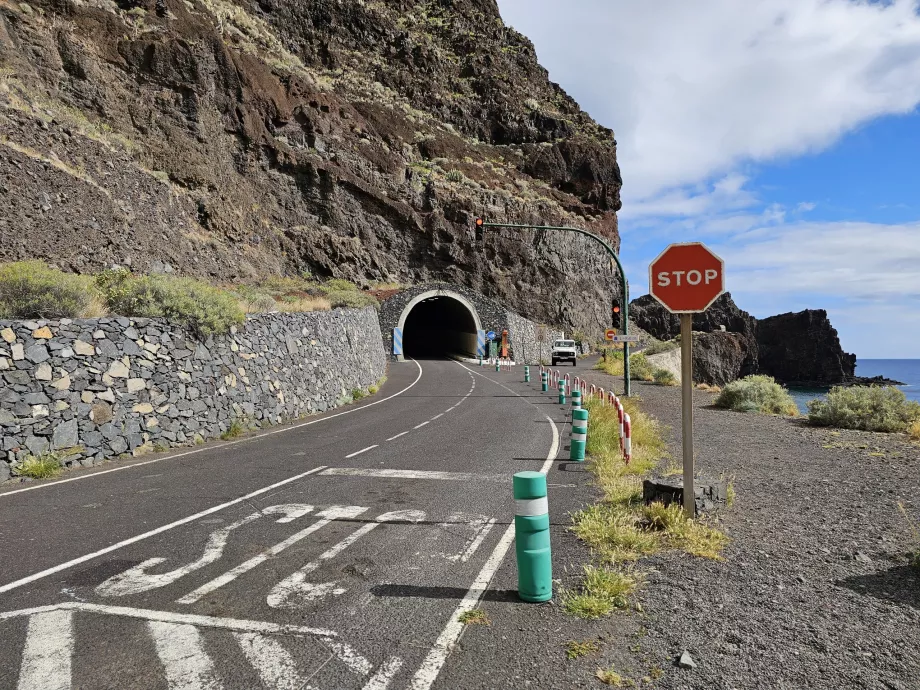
column 136, row 580
column 437, row 416
column 384, row 676
column 170, row 617
column 293, row 589
column 419, row 426
column 159, row 530
column 406, row 474
column 393, row 438
column 363, row 450
column 181, row 651
column 426, row 675
column 336, row 512
column 248, row 439
column 47, row 653
column 477, row 540
column 274, row 664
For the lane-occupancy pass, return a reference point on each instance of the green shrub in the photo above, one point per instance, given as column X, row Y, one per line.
column 661, row 346
column 358, row 394
column 351, row 299
column 869, row 408
column 664, row 377
column 339, row 285
column 640, row 369
column 203, row 309
column 34, row 290
column 454, row 176
column 757, row 394
column 43, row 467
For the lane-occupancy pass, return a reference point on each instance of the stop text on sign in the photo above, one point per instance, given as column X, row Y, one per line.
column 693, row 277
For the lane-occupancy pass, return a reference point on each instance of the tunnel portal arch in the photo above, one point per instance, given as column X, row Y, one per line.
column 438, row 323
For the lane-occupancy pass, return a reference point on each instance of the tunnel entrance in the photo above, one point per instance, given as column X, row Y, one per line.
column 437, row 325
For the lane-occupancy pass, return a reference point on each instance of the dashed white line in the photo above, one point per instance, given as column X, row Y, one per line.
column 393, row 438
column 419, row 426
column 404, row 474
column 437, row 416
column 363, row 450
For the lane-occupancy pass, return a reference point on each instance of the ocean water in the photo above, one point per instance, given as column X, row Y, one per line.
column 906, row 370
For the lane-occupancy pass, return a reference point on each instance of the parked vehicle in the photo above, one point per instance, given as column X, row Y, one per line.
column 565, row 351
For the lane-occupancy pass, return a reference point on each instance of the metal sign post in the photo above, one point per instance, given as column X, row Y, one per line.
column 686, row 410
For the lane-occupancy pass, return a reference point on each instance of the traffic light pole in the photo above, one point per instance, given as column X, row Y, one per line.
column 623, row 282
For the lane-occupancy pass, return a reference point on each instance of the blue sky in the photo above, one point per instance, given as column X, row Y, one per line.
column 785, row 134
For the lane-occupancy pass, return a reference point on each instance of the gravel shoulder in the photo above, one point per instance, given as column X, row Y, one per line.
column 815, row 590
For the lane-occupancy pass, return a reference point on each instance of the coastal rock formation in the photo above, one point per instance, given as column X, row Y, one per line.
column 351, row 139
column 803, row 348
column 798, row 347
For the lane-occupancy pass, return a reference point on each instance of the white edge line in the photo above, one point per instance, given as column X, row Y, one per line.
column 425, row 677
column 358, row 452
column 437, row 416
column 146, row 535
column 393, row 438
column 419, row 426
column 225, row 444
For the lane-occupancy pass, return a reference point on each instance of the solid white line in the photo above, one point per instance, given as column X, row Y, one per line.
column 181, row 650
column 159, row 530
column 393, row 438
column 225, row 444
column 403, row 474
column 428, row 672
column 336, row 512
column 419, row 426
column 358, row 452
column 437, row 416
column 169, row 617
column 48, row 651
column 274, row 664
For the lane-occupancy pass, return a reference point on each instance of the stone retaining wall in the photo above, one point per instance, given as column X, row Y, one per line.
column 96, row 388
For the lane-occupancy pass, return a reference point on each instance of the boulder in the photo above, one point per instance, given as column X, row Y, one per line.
column 721, row 357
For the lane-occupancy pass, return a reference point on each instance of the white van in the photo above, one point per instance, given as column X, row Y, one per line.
column 564, row 351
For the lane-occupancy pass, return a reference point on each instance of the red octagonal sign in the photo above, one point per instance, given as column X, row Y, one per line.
column 686, row 278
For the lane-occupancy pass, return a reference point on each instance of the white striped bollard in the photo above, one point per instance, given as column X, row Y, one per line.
column 627, row 438
column 579, row 438
column 576, row 399
column 544, row 381
column 531, row 530
column 526, row 374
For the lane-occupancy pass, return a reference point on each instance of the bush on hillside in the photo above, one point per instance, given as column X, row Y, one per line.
column 640, row 369
column 660, row 346
column 868, row 408
column 664, row 377
column 757, row 394
column 201, row 308
column 34, row 290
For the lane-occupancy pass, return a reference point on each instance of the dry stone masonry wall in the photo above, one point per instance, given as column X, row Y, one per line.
column 97, row 388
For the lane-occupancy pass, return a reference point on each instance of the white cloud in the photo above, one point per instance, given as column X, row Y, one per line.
column 692, row 89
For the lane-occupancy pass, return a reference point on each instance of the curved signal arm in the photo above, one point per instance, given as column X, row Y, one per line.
column 624, row 284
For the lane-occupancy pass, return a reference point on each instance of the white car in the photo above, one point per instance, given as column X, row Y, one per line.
column 564, row 351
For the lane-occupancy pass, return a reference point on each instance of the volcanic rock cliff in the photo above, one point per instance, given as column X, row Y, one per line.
column 801, row 347
column 350, row 138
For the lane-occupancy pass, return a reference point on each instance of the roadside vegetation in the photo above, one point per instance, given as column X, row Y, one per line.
column 34, row 290
column 640, row 369
column 867, row 408
column 757, row 394
column 45, row 466
column 621, row 529
column 660, row 346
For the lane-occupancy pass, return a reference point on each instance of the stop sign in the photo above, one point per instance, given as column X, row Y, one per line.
column 686, row 278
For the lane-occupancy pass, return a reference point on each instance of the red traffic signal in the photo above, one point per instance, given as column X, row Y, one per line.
column 479, row 222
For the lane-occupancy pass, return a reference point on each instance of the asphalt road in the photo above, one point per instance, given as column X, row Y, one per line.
column 334, row 553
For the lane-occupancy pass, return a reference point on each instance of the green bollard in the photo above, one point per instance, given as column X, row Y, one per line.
column 561, row 392
column 498, row 366
column 532, row 546
column 576, row 399
column 526, row 374
column 544, row 382
column 480, row 361
column 579, row 439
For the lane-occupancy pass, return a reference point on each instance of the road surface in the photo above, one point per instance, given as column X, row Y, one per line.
column 333, row 553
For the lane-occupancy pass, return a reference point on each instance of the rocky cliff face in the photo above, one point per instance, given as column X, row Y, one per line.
column 351, row 138
column 803, row 348
column 794, row 348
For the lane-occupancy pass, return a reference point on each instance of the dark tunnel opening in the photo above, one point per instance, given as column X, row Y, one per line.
column 437, row 327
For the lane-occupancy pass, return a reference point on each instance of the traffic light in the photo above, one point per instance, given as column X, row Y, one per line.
column 479, row 230
column 615, row 312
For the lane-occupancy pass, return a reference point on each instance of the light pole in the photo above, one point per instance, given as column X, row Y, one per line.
column 480, row 223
